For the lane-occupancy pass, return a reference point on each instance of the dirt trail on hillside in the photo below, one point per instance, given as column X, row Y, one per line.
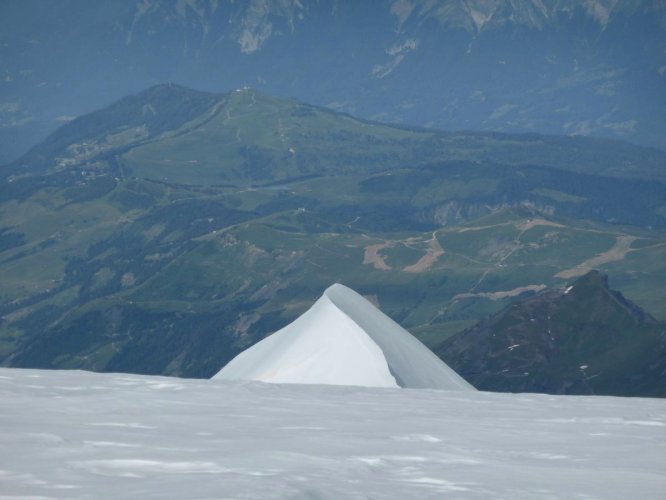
column 521, row 226
column 529, row 224
column 371, row 256
column 434, row 252
column 481, row 228
column 501, row 294
column 618, row 252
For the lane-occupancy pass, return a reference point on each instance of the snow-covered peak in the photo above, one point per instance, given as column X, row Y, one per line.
column 343, row 340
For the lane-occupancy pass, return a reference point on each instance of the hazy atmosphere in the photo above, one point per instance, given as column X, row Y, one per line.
column 421, row 202
column 594, row 67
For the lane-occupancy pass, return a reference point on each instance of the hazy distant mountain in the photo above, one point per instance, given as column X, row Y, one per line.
column 556, row 66
column 584, row 339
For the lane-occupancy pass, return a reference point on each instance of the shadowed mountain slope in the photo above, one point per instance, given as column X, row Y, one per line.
column 586, row 339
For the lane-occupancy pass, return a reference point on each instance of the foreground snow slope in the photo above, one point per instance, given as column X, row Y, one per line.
column 343, row 340
column 80, row 435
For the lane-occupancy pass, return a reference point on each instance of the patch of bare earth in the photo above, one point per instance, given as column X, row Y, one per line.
column 372, row 256
column 618, row 252
column 244, row 322
column 503, row 294
column 434, row 252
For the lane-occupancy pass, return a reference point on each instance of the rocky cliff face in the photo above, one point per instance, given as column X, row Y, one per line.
column 584, row 339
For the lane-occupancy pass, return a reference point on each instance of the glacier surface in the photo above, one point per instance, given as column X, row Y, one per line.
column 80, row 435
column 344, row 340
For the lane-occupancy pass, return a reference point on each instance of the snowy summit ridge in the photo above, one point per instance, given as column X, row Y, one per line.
column 343, row 340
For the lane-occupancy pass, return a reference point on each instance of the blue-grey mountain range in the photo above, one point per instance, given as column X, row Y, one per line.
column 593, row 67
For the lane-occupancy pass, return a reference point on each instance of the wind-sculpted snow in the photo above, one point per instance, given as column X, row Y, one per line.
column 344, row 340
column 76, row 435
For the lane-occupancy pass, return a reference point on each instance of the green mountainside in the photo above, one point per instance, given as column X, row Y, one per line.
column 171, row 230
column 584, row 339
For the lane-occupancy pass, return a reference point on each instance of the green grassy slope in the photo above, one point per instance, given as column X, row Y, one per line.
column 171, row 250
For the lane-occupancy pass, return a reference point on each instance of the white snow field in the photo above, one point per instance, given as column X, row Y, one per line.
column 79, row 435
column 344, row 340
